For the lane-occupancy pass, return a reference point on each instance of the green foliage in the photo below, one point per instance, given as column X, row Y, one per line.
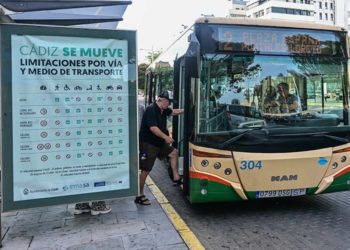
column 141, row 75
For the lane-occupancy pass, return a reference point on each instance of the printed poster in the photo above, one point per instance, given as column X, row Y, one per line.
column 70, row 116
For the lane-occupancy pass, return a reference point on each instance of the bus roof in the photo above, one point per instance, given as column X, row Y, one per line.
column 264, row 22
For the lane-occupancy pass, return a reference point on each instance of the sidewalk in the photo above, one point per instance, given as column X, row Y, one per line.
column 128, row 226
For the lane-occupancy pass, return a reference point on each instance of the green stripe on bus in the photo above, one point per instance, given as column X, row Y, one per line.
column 341, row 183
column 216, row 192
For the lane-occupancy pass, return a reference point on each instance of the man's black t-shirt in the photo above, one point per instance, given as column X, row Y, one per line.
column 153, row 117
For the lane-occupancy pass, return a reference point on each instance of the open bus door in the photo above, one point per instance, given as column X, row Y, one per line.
column 181, row 141
column 185, row 79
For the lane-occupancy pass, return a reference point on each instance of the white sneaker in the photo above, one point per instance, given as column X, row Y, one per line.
column 100, row 207
column 82, row 208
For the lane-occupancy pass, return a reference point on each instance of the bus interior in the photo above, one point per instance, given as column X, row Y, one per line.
column 242, row 92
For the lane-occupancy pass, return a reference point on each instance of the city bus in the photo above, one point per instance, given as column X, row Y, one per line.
column 266, row 108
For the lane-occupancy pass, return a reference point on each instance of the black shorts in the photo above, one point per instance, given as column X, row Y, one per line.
column 149, row 153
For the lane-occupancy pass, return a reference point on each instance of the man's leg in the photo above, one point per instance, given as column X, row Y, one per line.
column 174, row 163
column 143, row 176
column 141, row 199
column 148, row 155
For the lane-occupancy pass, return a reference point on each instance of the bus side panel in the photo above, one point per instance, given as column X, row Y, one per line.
column 210, row 191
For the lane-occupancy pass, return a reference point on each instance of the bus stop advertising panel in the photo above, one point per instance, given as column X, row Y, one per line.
column 68, row 115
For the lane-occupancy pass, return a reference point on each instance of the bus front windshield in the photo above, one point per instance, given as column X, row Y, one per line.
column 291, row 92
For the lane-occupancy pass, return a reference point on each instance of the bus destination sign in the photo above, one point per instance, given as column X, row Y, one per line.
column 277, row 40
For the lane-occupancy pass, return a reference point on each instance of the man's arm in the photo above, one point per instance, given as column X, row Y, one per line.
column 177, row 112
column 294, row 106
column 155, row 130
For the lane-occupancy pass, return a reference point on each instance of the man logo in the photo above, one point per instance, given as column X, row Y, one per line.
column 25, row 191
column 65, row 188
column 284, row 178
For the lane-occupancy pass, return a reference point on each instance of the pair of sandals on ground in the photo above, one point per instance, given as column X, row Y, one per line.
column 142, row 200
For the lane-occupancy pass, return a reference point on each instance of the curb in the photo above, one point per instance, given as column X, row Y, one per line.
column 185, row 232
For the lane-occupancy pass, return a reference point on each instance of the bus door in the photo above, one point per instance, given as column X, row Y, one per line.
column 179, row 121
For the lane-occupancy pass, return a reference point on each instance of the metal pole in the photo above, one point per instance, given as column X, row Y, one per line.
column 322, row 93
column 1, row 204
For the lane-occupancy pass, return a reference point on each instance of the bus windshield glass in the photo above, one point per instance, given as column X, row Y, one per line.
column 270, row 91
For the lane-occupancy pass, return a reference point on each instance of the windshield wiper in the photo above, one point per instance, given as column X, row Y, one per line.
column 323, row 134
column 238, row 137
column 336, row 138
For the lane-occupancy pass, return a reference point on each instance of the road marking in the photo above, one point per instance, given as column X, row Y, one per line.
column 185, row 232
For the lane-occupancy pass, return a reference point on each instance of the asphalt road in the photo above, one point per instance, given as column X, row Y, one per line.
column 306, row 222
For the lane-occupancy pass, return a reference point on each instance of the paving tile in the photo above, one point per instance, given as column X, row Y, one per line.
column 167, row 237
column 181, row 246
column 60, row 240
column 112, row 243
column 110, row 231
column 4, row 230
column 83, row 221
column 8, row 221
column 139, row 241
column 55, row 215
column 35, row 229
column 24, row 219
column 123, row 205
column 128, row 226
column 158, row 223
column 9, row 214
column 33, row 210
column 109, row 219
column 128, row 216
column 16, row 243
column 57, row 208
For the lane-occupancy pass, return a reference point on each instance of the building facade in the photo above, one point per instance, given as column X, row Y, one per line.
column 329, row 12
column 238, row 8
column 348, row 16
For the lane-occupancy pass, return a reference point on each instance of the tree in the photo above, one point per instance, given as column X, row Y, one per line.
column 141, row 74
column 152, row 55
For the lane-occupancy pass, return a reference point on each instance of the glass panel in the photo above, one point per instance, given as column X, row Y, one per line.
column 239, row 92
column 181, row 105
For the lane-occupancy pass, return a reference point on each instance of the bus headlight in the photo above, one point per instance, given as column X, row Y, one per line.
column 343, row 159
column 335, row 165
column 205, row 163
column 228, row 171
column 217, row 165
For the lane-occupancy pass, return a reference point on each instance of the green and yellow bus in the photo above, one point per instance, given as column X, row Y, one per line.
column 266, row 108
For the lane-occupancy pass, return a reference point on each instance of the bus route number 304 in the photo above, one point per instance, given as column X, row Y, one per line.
column 250, row 165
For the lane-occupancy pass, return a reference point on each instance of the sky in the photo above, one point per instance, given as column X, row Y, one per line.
column 159, row 22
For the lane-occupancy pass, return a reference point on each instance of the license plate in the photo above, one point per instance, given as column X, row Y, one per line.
column 281, row 193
